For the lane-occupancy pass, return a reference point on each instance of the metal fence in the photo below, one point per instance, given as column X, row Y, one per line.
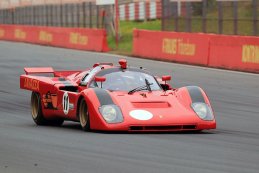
column 85, row 14
column 211, row 16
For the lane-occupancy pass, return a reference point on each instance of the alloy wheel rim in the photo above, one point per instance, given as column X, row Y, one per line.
column 83, row 114
column 35, row 106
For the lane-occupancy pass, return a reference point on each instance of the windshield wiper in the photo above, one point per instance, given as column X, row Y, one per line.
column 144, row 87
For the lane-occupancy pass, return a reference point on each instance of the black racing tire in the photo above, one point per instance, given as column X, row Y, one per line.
column 55, row 122
column 84, row 116
column 36, row 110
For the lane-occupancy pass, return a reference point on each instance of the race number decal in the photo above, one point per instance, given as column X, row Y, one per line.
column 65, row 103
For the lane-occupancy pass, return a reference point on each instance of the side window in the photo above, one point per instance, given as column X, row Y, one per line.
column 90, row 75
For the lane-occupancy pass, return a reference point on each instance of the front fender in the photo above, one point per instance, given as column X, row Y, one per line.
column 95, row 98
column 192, row 94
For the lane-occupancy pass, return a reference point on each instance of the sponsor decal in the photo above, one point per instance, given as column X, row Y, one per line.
column 2, row 33
column 77, row 38
column 45, row 36
column 50, row 101
column 141, row 114
column 65, row 103
column 178, row 47
column 20, row 34
column 32, row 84
column 250, row 54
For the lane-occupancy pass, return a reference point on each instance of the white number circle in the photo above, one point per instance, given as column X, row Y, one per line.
column 65, row 103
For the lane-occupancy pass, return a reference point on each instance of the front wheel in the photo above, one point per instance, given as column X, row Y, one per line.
column 84, row 116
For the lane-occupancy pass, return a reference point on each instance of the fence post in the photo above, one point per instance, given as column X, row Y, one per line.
column 204, row 16
column 189, row 18
column 1, row 16
column 163, row 15
column 235, row 14
column 12, row 15
column 66, row 15
column 61, row 14
column 79, row 8
column 220, row 17
column 27, row 15
column 97, row 17
column 84, row 14
column 255, row 28
column 52, row 15
column 24, row 16
column 4, row 14
column 176, row 16
column 42, row 15
column 74, row 7
column 34, row 17
column 91, row 13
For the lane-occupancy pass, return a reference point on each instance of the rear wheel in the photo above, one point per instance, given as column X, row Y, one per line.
column 37, row 114
column 84, row 116
column 36, row 110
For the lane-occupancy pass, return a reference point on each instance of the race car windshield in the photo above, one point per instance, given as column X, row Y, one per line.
column 127, row 81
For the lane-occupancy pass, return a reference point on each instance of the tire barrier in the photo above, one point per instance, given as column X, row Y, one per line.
column 73, row 38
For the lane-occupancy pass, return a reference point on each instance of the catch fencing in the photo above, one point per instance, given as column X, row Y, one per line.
column 81, row 14
column 237, row 17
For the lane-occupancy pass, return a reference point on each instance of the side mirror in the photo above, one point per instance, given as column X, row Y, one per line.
column 166, row 86
column 166, row 78
column 99, row 79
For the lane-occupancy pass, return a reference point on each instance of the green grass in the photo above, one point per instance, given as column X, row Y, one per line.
column 126, row 35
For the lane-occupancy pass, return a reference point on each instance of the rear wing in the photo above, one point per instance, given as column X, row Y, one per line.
column 49, row 70
column 38, row 70
column 31, row 81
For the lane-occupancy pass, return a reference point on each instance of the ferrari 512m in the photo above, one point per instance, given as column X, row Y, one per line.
column 115, row 98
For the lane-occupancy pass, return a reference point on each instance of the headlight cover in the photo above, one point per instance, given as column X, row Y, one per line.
column 203, row 111
column 111, row 113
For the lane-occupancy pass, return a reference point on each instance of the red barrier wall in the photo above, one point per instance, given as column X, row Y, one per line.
column 75, row 38
column 173, row 46
column 235, row 52
column 230, row 52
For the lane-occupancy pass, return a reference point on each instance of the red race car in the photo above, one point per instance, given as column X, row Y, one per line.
column 115, row 98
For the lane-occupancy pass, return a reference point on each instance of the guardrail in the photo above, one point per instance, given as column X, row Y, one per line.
column 221, row 51
column 74, row 38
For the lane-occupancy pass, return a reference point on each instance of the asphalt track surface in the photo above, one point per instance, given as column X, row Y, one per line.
column 26, row 148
